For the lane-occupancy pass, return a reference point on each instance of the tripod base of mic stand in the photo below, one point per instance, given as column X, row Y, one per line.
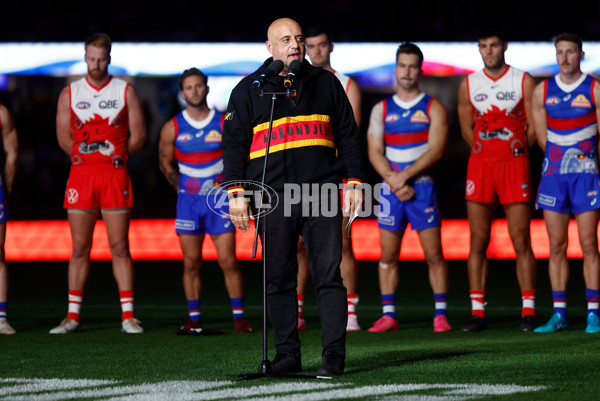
column 265, row 370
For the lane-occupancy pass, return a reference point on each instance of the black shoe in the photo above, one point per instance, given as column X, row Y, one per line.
column 475, row 323
column 332, row 364
column 528, row 323
column 286, row 363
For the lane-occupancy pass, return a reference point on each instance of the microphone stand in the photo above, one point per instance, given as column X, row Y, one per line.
column 264, row 369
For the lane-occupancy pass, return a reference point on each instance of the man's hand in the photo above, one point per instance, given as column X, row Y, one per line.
column 239, row 213
column 395, row 180
column 405, row 193
column 353, row 198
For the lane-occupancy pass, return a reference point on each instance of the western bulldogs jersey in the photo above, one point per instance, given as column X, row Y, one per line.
column 99, row 123
column 499, row 115
column 198, row 152
column 572, row 126
column 406, row 130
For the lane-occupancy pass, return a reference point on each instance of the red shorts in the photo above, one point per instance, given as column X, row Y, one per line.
column 99, row 191
column 504, row 181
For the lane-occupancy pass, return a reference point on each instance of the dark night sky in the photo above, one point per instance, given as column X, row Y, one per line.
column 214, row 21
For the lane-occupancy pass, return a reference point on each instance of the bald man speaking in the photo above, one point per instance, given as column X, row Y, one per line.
column 305, row 174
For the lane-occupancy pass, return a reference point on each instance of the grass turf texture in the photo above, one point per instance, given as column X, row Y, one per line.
column 565, row 363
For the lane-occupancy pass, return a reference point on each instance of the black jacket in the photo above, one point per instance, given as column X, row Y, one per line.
column 307, row 130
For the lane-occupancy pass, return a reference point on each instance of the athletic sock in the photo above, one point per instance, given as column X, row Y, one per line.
column 528, row 297
column 441, row 304
column 195, row 310
column 300, row 306
column 388, row 302
column 560, row 302
column 75, row 299
column 126, row 304
column 352, row 302
column 3, row 310
column 237, row 307
column 592, row 297
column 478, row 303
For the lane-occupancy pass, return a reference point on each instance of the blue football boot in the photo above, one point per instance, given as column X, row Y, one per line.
column 556, row 323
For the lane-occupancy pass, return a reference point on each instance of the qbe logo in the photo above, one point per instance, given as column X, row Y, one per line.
column 72, row 196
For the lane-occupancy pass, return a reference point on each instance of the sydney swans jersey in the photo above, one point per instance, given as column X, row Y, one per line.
column 344, row 80
column 572, row 126
column 99, row 123
column 499, row 115
column 198, row 152
column 406, row 129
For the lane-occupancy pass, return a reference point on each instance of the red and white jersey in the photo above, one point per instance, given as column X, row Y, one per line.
column 499, row 115
column 99, row 123
column 344, row 80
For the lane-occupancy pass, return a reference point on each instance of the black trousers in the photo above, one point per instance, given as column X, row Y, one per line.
column 323, row 239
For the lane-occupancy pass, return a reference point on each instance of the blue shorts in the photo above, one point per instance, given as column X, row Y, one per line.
column 569, row 193
column 421, row 211
column 3, row 211
column 196, row 216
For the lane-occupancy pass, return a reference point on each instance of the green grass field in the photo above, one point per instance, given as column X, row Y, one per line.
column 102, row 363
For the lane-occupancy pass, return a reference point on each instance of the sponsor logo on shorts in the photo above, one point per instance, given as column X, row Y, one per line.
column 546, row 200
column 592, row 194
column 229, row 116
column 524, row 186
column 184, row 137
column 386, row 220
column 419, row 117
column 593, row 202
column 390, row 118
column 184, row 224
column 470, row 188
column 82, row 105
column 72, row 196
column 430, row 219
column 429, row 210
column 553, row 100
column 480, row 97
column 581, row 101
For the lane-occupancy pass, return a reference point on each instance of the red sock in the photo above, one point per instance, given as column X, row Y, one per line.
column 300, row 305
column 528, row 297
column 352, row 301
column 126, row 304
column 478, row 303
column 75, row 299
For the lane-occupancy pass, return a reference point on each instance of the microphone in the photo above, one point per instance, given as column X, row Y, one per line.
column 293, row 69
column 273, row 69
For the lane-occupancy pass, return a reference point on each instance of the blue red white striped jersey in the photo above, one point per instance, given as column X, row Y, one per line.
column 406, row 130
column 198, row 152
column 572, row 126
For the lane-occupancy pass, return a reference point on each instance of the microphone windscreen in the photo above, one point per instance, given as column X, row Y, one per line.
column 274, row 68
column 294, row 67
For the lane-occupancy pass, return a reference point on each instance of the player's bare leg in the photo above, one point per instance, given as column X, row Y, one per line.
column 431, row 241
column 234, row 282
column 480, row 217
column 518, row 216
column 117, row 228
column 81, row 223
column 303, row 274
column 388, row 279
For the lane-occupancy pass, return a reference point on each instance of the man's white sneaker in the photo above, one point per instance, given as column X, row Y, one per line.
column 65, row 327
column 352, row 323
column 132, row 326
column 6, row 328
